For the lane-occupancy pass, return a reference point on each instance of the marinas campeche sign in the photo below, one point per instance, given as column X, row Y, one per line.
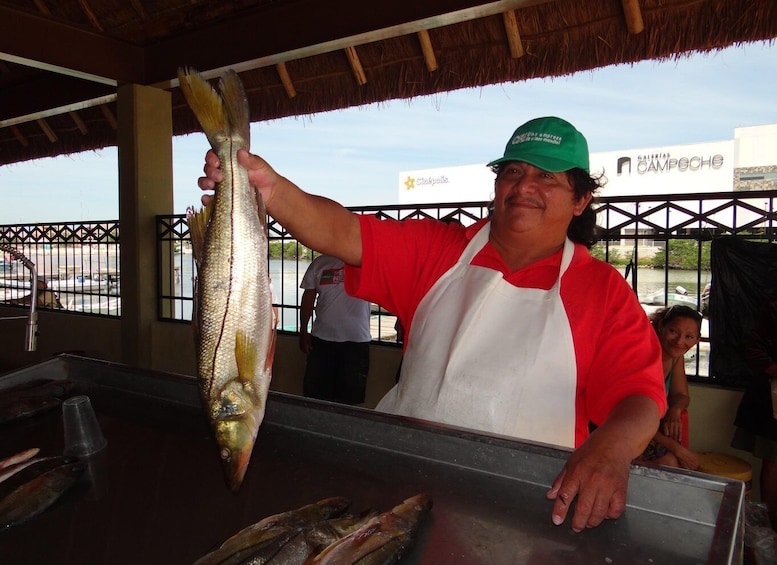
column 665, row 163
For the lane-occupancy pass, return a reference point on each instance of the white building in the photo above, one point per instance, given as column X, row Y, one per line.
column 747, row 162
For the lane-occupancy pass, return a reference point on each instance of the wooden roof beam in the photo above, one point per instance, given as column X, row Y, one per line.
column 633, row 15
column 513, row 37
column 356, row 65
column 42, row 7
column 139, row 9
column 283, row 73
column 91, row 15
column 426, row 48
column 17, row 133
column 78, row 122
column 109, row 116
column 46, row 128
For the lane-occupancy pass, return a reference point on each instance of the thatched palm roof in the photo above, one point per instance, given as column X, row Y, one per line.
column 61, row 61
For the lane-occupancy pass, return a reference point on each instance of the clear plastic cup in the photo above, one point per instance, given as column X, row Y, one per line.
column 83, row 435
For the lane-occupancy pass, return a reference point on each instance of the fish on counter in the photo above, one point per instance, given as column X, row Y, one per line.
column 233, row 316
column 58, row 388
column 33, row 398
column 19, row 457
column 33, row 490
column 310, row 541
column 322, row 533
column 25, row 471
column 11, row 470
column 16, row 408
column 260, row 542
column 383, row 540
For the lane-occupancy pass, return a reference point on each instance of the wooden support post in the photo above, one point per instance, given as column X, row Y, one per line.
column 17, row 133
column 356, row 65
column 90, row 15
column 78, row 122
column 286, row 79
column 633, row 15
column 513, row 37
column 47, row 130
column 427, row 50
column 109, row 116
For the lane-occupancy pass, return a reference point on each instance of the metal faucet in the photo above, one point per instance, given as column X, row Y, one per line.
column 31, row 336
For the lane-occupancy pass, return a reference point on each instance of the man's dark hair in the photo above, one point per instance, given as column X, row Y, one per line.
column 583, row 229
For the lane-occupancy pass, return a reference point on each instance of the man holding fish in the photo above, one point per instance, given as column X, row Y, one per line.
column 512, row 327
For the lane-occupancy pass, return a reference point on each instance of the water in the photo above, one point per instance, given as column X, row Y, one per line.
column 286, row 275
column 651, row 282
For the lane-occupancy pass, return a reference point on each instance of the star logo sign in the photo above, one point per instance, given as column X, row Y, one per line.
column 410, row 183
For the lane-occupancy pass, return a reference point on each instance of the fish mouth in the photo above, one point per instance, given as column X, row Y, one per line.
column 236, row 442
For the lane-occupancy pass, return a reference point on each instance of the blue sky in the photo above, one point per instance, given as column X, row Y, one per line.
column 354, row 156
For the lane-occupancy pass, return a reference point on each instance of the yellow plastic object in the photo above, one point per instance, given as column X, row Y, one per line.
column 724, row 465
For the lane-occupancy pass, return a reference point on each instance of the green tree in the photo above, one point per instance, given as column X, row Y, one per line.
column 615, row 258
column 683, row 254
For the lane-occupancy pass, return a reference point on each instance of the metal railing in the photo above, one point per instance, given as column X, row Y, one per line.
column 78, row 262
column 660, row 242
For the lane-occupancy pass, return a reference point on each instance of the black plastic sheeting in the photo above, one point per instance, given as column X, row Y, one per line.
column 744, row 281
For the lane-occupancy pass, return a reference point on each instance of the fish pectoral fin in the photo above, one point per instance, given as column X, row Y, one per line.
column 245, row 357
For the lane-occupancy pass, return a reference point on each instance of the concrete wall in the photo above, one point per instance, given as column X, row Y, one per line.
column 58, row 332
column 711, row 422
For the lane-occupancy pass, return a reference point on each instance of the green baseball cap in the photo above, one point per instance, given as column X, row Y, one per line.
column 549, row 143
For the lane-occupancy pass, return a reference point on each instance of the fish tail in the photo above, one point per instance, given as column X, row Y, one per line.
column 205, row 102
column 236, row 106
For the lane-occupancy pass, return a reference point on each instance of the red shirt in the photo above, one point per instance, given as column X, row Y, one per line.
column 616, row 349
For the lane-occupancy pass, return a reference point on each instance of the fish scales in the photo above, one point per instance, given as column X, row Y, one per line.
column 233, row 319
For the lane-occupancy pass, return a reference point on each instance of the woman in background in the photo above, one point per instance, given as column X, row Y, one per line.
column 678, row 329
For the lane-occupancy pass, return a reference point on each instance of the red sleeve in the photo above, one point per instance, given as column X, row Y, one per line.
column 617, row 351
column 401, row 260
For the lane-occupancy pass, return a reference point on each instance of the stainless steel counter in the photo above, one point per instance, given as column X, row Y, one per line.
column 156, row 493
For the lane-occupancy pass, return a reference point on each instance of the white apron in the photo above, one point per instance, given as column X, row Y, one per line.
column 486, row 355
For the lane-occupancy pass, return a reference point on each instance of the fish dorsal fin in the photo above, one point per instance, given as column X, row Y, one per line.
column 236, row 107
column 198, row 223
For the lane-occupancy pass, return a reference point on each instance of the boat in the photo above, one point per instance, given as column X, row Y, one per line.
column 80, row 283
column 679, row 297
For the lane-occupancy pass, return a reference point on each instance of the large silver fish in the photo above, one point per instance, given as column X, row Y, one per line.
column 310, row 541
column 259, row 543
column 233, row 317
column 383, row 540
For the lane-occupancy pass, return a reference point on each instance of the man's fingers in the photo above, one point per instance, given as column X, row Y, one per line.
column 564, row 492
column 561, row 508
column 617, row 505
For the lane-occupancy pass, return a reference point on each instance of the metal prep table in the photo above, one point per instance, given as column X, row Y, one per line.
column 156, row 493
